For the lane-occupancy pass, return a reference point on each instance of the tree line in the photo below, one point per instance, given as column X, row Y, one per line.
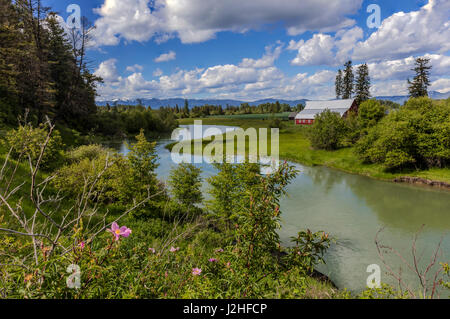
column 42, row 68
column 45, row 72
column 244, row 108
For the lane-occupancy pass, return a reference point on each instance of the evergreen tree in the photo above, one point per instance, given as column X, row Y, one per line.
column 419, row 86
column 338, row 84
column 186, row 183
column 348, row 87
column 362, row 86
column 42, row 68
column 186, row 108
column 11, row 51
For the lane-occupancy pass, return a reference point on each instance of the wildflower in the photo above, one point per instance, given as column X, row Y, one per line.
column 173, row 249
column 81, row 245
column 152, row 250
column 212, row 260
column 119, row 231
column 196, row 271
column 228, row 264
column 220, row 250
column 28, row 277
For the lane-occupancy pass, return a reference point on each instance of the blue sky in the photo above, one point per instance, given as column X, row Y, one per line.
column 261, row 48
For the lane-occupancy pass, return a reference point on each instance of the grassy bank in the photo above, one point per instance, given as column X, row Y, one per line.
column 296, row 147
column 145, row 265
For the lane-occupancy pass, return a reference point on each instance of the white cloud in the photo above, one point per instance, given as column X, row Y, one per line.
column 267, row 60
column 441, row 85
column 316, row 51
column 324, row 49
column 198, row 20
column 135, row 68
column 389, row 88
column 405, row 34
column 401, row 69
column 108, row 71
column 165, row 57
column 250, row 79
column 131, row 20
column 158, row 72
column 400, row 36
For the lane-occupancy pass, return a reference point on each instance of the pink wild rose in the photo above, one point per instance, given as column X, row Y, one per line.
column 119, row 231
column 196, row 271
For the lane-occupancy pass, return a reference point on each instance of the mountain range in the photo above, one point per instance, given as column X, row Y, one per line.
column 172, row 102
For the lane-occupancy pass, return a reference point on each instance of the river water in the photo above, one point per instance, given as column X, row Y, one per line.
column 353, row 209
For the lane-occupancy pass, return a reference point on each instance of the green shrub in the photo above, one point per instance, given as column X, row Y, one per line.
column 89, row 152
column 309, row 249
column 417, row 135
column 370, row 113
column 328, row 131
column 276, row 123
column 186, row 182
column 26, row 142
column 227, row 186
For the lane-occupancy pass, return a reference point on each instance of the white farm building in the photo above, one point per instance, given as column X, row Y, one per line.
column 313, row 108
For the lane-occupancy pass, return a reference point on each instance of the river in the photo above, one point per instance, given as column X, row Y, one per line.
column 353, row 209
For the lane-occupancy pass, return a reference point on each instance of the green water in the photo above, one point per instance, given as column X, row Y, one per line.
column 353, row 209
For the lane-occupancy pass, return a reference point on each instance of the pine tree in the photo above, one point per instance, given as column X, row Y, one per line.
column 419, row 86
column 338, row 84
column 362, row 86
column 40, row 68
column 348, row 87
column 10, row 53
column 186, row 108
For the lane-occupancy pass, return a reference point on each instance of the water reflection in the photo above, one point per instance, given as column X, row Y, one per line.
column 353, row 208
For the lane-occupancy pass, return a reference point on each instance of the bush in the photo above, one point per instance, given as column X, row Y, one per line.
column 276, row 123
column 26, row 142
column 186, row 182
column 370, row 113
column 328, row 131
column 89, row 152
column 120, row 179
column 418, row 135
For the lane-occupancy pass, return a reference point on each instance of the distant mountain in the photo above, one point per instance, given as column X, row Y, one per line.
column 439, row 96
column 157, row 103
column 401, row 99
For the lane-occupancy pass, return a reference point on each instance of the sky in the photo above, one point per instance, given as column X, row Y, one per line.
column 257, row 49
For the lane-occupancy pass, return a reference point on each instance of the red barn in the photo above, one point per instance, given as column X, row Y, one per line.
column 313, row 108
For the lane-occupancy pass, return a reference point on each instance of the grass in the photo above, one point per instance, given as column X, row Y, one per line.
column 296, row 147
column 283, row 115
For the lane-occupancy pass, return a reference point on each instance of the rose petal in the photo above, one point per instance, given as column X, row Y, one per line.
column 126, row 233
column 114, row 226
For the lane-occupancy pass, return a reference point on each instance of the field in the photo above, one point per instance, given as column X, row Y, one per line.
column 284, row 115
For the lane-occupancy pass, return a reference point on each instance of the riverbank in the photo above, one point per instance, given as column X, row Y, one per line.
column 152, row 233
column 296, row 147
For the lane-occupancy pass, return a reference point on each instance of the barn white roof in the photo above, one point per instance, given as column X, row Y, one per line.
column 313, row 108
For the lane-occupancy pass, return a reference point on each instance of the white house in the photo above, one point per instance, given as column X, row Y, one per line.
column 313, row 108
